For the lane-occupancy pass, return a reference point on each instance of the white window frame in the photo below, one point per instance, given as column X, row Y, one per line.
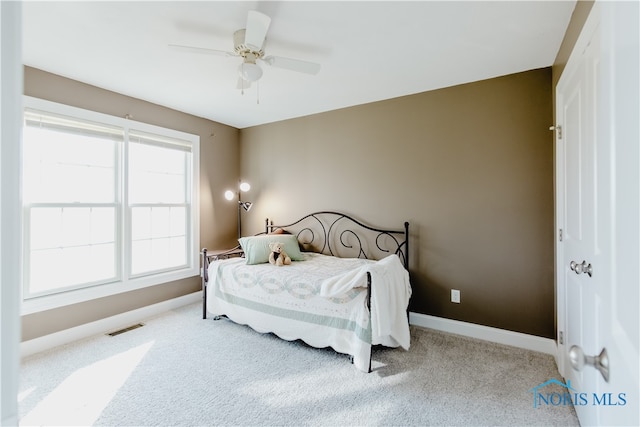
column 125, row 281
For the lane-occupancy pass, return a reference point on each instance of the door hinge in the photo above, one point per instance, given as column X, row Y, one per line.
column 560, row 234
column 561, row 337
column 558, row 129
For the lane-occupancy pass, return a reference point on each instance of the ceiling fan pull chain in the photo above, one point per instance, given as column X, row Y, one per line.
column 242, row 80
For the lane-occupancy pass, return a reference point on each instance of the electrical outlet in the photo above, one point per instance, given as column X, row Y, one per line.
column 455, row 296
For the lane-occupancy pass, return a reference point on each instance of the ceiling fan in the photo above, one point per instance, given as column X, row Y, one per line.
column 248, row 43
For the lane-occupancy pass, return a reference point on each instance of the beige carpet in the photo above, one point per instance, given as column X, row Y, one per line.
column 180, row 370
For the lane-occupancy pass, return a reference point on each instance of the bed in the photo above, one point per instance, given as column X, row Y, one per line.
column 347, row 286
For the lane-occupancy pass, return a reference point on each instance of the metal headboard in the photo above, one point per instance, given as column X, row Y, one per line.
column 338, row 234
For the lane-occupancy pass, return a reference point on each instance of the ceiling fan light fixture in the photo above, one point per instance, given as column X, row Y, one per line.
column 248, row 44
column 250, row 72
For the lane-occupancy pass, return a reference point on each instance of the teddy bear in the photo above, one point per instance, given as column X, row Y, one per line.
column 278, row 256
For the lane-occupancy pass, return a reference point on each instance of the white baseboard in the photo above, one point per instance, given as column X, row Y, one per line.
column 46, row 342
column 486, row 333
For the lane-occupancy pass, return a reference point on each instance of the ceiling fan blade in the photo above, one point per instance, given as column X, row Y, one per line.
column 256, row 31
column 201, row 50
column 293, row 64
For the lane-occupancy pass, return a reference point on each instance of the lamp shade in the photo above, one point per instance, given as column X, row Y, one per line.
column 250, row 72
column 229, row 195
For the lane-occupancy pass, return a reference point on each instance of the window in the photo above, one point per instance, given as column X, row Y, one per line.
column 158, row 201
column 110, row 205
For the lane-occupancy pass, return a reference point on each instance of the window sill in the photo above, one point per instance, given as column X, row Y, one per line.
column 49, row 302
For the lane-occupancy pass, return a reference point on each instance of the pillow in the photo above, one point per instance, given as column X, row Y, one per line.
column 279, row 231
column 256, row 248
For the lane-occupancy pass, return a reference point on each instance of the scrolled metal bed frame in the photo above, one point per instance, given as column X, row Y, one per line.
column 331, row 233
column 329, row 222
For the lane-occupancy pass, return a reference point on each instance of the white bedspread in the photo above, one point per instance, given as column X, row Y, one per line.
column 390, row 295
column 321, row 300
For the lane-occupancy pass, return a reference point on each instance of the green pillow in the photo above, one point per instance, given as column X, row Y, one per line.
column 256, row 248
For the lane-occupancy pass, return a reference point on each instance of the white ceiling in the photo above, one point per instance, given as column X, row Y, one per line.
column 369, row 51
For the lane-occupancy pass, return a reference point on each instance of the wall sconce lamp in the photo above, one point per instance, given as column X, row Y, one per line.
column 243, row 187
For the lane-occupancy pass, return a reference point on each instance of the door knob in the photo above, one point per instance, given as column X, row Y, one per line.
column 600, row 362
column 583, row 267
column 587, row 268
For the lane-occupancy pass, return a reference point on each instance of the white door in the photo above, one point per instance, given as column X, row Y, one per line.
column 10, row 207
column 618, row 119
column 577, row 206
column 598, row 193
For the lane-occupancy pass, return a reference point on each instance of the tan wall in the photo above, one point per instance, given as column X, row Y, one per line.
column 470, row 167
column 219, row 166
